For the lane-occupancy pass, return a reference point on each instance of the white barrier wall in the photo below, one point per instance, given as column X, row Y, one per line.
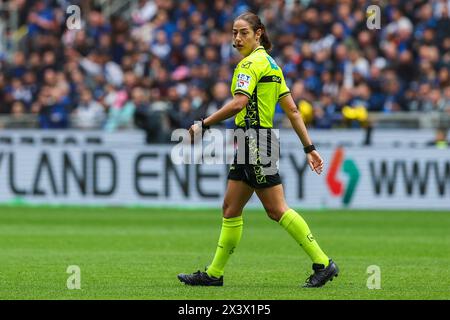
column 107, row 173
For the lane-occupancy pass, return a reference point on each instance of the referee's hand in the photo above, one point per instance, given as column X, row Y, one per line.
column 194, row 129
column 315, row 161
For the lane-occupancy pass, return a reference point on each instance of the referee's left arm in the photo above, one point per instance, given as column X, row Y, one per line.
column 314, row 159
column 289, row 107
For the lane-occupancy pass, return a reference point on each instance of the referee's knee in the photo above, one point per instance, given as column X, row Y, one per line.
column 274, row 213
column 229, row 212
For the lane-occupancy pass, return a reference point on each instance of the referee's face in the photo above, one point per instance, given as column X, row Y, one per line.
column 245, row 39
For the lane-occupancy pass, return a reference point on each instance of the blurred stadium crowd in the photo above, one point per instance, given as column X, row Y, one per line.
column 170, row 63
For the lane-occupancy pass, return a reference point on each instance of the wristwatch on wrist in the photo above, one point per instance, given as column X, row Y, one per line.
column 309, row 148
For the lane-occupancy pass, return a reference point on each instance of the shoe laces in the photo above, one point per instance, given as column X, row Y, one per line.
column 308, row 280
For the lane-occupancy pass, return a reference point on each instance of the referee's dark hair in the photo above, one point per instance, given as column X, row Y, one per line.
column 256, row 24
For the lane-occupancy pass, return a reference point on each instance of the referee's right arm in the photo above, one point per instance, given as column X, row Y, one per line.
column 229, row 110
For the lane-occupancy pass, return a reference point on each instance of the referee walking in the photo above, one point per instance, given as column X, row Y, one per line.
column 257, row 85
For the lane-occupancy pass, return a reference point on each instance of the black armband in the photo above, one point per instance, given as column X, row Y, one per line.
column 309, row 148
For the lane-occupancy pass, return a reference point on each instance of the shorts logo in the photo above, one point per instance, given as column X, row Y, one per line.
column 243, row 81
column 261, row 179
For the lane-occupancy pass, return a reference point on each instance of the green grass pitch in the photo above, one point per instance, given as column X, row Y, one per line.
column 136, row 253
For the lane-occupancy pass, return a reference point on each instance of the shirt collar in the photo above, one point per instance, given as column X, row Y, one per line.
column 258, row 48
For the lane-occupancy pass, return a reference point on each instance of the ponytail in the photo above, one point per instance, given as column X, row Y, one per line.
column 265, row 41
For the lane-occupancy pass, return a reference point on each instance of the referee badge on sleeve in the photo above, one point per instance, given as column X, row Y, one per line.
column 243, row 81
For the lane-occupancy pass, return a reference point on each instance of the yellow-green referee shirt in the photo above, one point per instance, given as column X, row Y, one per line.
column 261, row 80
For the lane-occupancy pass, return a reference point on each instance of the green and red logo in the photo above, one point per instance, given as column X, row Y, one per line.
column 335, row 185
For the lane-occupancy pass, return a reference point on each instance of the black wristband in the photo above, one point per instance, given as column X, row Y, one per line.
column 309, row 148
column 203, row 125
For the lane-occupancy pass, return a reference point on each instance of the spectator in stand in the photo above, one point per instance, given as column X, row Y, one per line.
column 18, row 115
column 145, row 11
column 89, row 114
column 52, row 109
column 18, row 67
column 120, row 112
column 41, row 19
column 186, row 114
column 151, row 117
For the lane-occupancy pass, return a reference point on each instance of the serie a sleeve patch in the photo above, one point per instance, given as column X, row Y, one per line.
column 243, row 81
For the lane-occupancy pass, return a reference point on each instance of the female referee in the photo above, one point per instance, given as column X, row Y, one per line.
column 257, row 85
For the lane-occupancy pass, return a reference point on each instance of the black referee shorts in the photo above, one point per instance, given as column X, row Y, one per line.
column 258, row 166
